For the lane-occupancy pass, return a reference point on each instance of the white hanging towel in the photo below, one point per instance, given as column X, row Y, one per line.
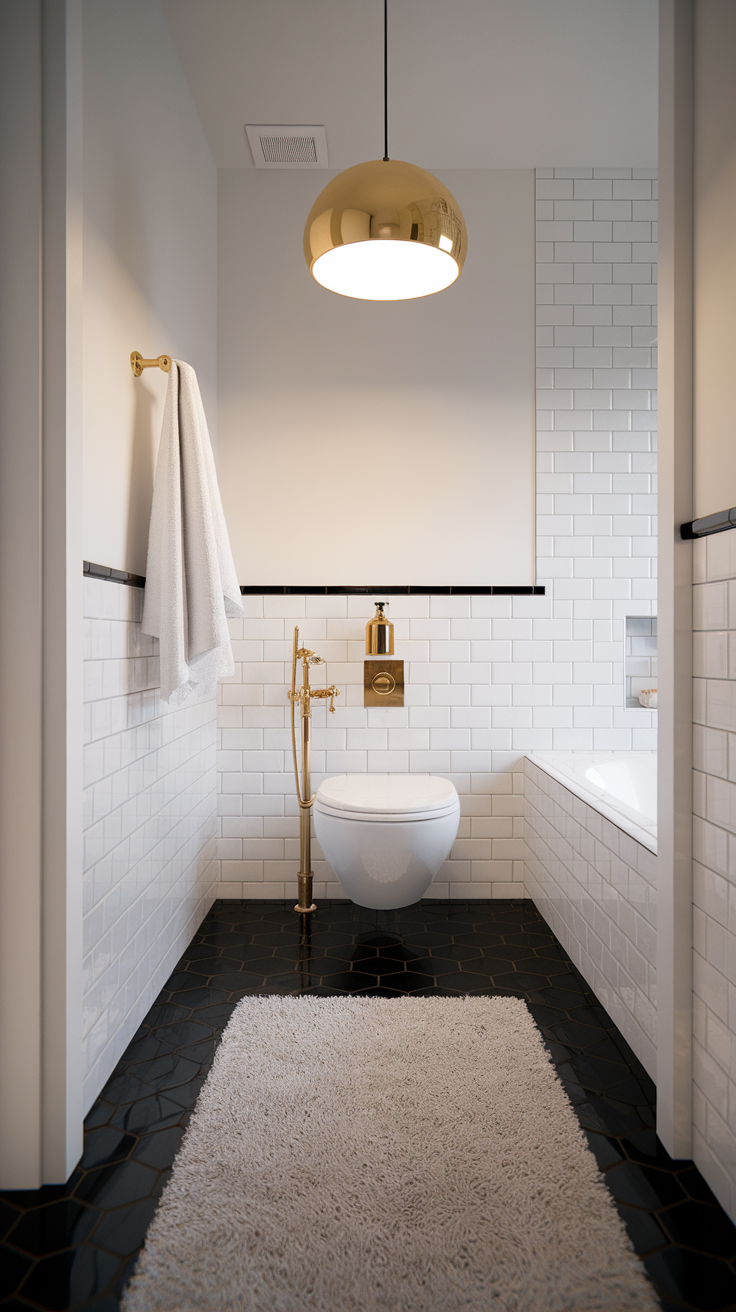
column 191, row 584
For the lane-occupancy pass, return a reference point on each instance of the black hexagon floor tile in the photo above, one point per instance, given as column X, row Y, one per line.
column 74, row 1246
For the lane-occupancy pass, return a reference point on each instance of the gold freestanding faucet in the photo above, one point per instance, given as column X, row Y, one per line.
column 304, row 697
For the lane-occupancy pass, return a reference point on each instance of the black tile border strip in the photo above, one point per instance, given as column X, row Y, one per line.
column 258, row 589
column 477, row 590
column 109, row 575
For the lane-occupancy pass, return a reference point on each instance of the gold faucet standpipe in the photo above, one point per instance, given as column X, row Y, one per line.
column 304, row 697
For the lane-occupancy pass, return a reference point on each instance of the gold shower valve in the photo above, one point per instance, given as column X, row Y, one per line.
column 305, row 695
column 332, row 692
column 383, row 683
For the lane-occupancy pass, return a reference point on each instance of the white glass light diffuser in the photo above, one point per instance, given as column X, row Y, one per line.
column 385, row 231
column 385, row 270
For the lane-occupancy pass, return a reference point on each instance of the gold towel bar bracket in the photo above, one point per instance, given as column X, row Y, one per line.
column 138, row 364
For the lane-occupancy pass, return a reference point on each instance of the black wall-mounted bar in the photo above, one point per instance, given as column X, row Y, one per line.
column 253, row 589
column 702, row 528
column 105, row 572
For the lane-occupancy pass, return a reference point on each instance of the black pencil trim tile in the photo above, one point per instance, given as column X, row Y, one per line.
column 110, row 575
column 395, row 590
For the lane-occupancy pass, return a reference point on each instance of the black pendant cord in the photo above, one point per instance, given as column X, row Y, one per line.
column 385, row 81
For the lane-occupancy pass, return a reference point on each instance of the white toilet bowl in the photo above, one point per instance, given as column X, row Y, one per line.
column 386, row 836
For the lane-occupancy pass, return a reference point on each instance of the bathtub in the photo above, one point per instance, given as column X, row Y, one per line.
column 621, row 785
column 590, row 836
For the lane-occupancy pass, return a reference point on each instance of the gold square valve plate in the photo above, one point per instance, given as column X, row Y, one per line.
column 383, row 683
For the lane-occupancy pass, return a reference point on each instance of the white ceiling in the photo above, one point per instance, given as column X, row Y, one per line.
column 472, row 83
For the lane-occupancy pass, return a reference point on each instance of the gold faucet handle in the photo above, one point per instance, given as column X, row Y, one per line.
column 332, row 692
column 310, row 657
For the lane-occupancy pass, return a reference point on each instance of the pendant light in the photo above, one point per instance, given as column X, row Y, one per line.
column 385, row 230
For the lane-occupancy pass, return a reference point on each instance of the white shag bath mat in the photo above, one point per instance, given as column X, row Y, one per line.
column 385, row 1155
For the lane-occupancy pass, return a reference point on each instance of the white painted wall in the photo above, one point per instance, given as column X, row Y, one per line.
column 150, row 196
column 364, row 442
column 714, row 232
column 40, row 548
column 21, row 595
column 149, row 203
column 674, row 620
column 510, row 84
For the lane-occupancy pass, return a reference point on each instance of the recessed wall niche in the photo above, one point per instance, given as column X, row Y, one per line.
column 640, row 657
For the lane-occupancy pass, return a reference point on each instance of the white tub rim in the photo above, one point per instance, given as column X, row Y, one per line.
column 617, row 813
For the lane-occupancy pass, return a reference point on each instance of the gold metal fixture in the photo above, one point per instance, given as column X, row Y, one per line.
column 385, row 230
column 138, row 364
column 383, row 683
column 304, row 697
column 379, row 633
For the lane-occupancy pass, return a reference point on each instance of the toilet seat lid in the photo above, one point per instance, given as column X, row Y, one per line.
column 395, row 794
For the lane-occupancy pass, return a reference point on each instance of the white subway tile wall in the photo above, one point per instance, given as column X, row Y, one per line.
column 596, row 440
column 456, row 721
column 714, row 865
column 640, row 660
column 150, row 825
column 596, row 887
column 488, row 678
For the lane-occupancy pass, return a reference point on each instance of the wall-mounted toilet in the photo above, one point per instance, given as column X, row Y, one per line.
column 386, row 836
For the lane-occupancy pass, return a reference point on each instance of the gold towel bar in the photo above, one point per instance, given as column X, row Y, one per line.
column 138, row 364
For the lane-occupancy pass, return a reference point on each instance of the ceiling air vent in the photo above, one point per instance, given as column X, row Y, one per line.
column 287, row 146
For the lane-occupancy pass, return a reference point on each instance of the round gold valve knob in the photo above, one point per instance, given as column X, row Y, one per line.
column 384, row 683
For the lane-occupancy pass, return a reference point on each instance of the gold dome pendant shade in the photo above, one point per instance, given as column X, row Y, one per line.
column 385, row 231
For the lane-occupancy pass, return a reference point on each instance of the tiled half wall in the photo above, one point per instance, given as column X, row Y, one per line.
column 714, row 869
column 596, row 888
column 150, row 825
column 466, row 705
